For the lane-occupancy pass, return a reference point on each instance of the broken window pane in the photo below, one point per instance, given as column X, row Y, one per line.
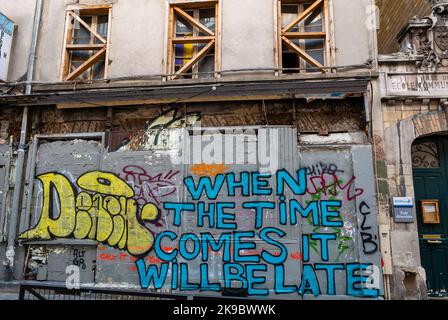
column 289, row 13
column 183, row 28
column 80, row 33
column 98, row 70
column 313, row 23
column 207, row 18
column 207, row 65
column 102, row 25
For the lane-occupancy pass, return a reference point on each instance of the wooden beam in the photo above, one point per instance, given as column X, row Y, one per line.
column 92, row 46
column 328, row 54
column 65, row 55
column 193, row 21
column 277, row 31
column 217, row 41
column 170, row 61
column 199, row 39
column 189, row 4
column 195, row 59
column 279, row 36
column 303, row 15
column 86, row 65
column 109, row 32
column 305, row 35
column 203, row 98
column 96, row 34
column 303, row 54
column 90, row 9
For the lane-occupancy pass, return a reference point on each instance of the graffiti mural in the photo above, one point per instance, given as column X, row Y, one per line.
column 207, row 227
column 248, row 255
column 104, row 210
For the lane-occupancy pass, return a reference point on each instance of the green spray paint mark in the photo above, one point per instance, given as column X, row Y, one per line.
column 344, row 242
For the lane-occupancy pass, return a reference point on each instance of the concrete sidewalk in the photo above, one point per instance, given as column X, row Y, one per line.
column 9, row 290
column 9, row 296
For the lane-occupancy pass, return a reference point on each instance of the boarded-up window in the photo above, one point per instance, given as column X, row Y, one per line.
column 303, row 36
column 193, row 41
column 86, row 43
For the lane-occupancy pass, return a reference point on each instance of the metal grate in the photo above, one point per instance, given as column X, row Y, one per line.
column 55, row 292
column 33, row 290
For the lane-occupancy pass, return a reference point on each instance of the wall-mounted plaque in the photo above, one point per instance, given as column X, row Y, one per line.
column 430, row 211
column 403, row 209
column 417, row 84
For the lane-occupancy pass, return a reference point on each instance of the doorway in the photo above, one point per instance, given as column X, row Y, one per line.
column 430, row 174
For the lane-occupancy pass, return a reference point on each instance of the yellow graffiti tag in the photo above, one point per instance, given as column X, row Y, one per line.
column 104, row 211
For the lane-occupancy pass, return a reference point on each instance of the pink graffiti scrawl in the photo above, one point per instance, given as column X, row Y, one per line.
column 330, row 184
column 150, row 188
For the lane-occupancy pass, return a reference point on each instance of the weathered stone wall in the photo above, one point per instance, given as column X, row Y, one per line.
column 403, row 112
column 403, row 123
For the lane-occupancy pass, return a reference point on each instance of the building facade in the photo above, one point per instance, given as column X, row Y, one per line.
column 410, row 127
column 192, row 147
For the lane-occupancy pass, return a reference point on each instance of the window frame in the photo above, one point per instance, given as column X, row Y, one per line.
column 98, row 51
column 211, row 39
column 284, row 37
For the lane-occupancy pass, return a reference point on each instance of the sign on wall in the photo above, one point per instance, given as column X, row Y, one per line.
column 421, row 84
column 403, row 209
column 6, row 34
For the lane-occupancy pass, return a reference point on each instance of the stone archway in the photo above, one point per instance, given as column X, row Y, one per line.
column 409, row 130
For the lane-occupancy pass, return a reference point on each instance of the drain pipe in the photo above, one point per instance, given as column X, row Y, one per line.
column 12, row 231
